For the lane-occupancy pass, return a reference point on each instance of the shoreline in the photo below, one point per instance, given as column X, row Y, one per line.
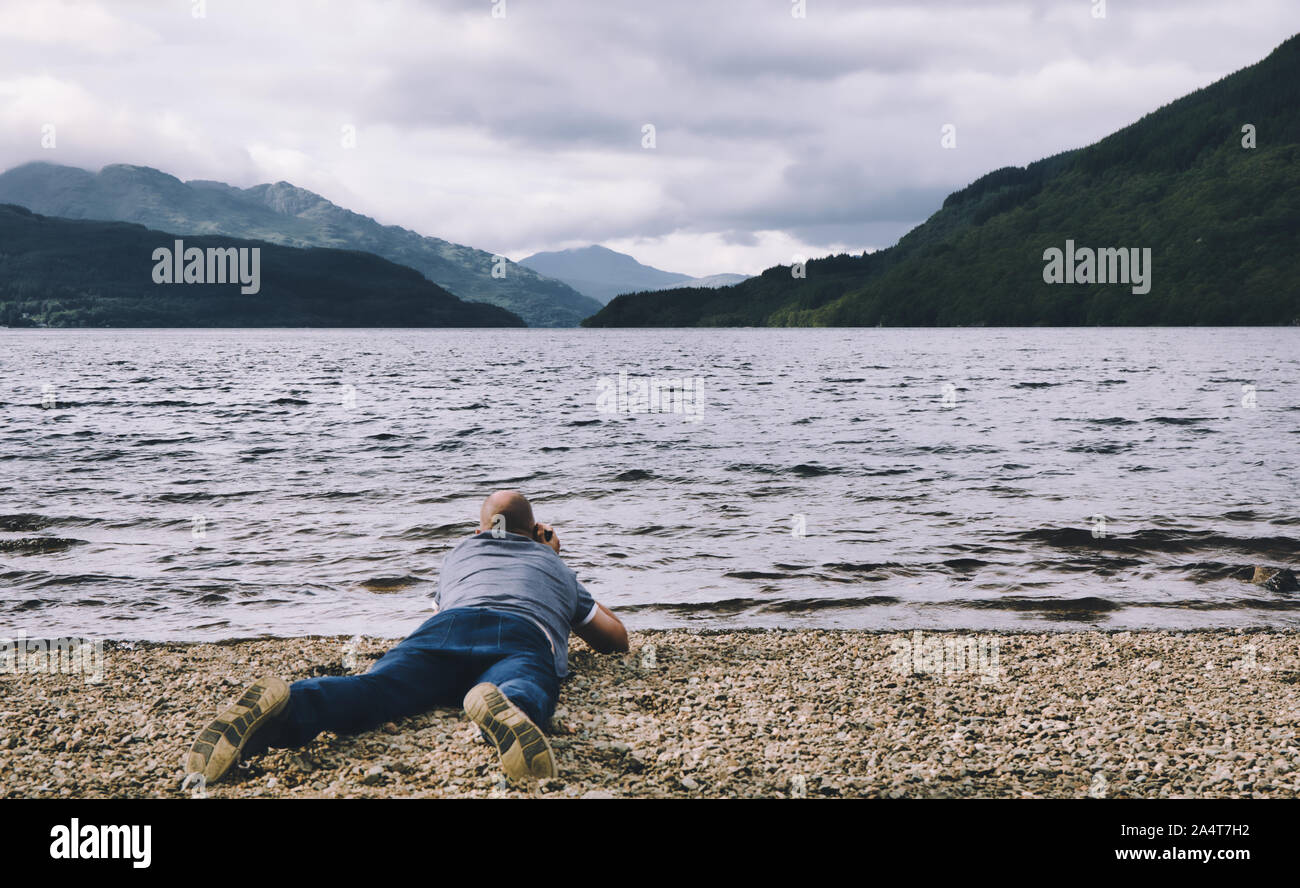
column 721, row 713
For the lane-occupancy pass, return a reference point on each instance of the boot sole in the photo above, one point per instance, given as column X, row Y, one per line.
column 219, row 745
column 524, row 750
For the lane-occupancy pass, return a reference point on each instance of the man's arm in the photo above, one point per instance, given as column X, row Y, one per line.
column 604, row 632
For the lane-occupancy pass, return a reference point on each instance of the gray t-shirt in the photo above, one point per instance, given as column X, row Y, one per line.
column 519, row 576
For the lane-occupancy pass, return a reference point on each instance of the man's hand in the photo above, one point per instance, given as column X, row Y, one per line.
column 605, row 633
column 546, row 535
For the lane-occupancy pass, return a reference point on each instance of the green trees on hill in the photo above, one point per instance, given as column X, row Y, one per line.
column 72, row 273
column 1222, row 222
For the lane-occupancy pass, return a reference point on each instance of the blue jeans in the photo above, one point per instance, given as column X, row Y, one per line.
column 434, row 666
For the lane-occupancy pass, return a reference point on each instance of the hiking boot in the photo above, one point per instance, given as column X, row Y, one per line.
column 219, row 745
column 524, row 750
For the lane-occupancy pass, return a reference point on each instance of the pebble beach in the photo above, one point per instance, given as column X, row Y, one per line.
column 761, row 713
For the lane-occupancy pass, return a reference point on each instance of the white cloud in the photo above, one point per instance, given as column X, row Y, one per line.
column 775, row 136
column 69, row 25
column 710, row 253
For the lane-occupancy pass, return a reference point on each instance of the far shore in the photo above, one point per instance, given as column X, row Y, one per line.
column 753, row 713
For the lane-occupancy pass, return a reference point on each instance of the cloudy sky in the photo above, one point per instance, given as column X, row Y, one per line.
column 774, row 136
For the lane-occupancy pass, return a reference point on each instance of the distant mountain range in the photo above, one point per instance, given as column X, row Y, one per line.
column 288, row 215
column 602, row 273
column 1210, row 184
column 80, row 273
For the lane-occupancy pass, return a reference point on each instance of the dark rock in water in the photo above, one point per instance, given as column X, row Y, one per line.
column 1275, row 579
column 33, row 545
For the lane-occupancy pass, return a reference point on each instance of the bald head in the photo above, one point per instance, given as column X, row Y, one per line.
column 514, row 506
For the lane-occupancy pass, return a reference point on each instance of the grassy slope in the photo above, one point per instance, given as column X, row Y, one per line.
column 1222, row 221
column 74, row 273
column 284, row 214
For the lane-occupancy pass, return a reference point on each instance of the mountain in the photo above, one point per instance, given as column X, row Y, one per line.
column 602, row 273
column 1222, row 222
column 78, row 273
column 716, row 280
column 285, row 214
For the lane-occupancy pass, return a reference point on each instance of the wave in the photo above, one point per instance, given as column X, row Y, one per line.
column 808, row 470
column 154, row 442
column 634, row 475
column 804, row 605
column 1102, row 421
column 862, row 567
column 759, row 575
column 39, row 545
column 16, row 523
column 1180, row 420
column 1088, row 604
column 392, row 584
column 1106, row 448
column 1155, row 540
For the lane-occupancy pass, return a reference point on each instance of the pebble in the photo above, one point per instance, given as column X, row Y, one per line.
column 1114, row 715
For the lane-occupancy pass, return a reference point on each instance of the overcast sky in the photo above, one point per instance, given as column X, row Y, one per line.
column 775, row 136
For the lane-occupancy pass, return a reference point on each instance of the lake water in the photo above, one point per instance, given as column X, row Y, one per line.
column 223, row 483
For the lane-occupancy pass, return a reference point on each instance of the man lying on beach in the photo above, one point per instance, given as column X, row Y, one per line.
column 499, row 645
